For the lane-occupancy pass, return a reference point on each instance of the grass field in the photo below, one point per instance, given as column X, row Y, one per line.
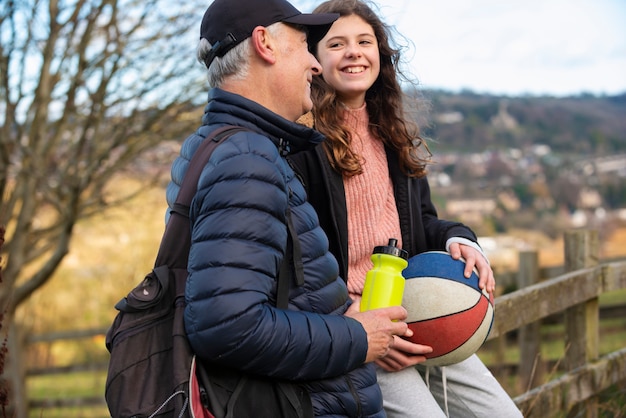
column 71, row 385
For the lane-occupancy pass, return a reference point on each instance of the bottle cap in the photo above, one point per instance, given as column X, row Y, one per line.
column 392, row 249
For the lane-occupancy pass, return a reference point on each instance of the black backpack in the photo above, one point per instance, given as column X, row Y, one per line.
column 152, row 369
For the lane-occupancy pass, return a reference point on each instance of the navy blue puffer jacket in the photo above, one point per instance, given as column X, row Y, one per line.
column 239, row 236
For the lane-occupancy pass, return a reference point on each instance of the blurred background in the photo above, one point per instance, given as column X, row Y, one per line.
column 523, row 105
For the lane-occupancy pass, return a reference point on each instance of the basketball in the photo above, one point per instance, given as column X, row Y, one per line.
column 446, row 311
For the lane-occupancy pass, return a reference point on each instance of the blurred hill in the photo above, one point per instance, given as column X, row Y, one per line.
column 573, row 126
column 533, row 163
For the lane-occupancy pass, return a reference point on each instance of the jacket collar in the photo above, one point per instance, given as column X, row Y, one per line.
column 229, row 108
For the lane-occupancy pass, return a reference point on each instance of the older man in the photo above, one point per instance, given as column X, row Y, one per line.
column 248, row 202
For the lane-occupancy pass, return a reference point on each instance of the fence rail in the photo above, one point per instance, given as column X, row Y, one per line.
column 573, row 293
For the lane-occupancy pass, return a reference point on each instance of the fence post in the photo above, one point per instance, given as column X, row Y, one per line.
column 531, row 364
column 582, row 321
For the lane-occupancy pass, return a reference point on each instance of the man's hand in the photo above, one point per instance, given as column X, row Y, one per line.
column 380, row 325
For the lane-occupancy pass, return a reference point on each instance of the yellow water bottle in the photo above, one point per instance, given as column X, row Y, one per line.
column 384, row 283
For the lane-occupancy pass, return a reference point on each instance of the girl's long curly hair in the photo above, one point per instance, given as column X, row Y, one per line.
column 384, row 100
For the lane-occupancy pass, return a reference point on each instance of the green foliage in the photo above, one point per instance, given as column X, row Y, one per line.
column 612, row 402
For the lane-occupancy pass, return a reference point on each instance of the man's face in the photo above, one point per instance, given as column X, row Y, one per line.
column 296, row 68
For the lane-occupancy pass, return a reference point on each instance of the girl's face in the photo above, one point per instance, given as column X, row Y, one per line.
column 350, row 59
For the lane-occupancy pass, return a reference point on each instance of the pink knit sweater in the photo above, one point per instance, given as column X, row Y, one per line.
column 373, row 216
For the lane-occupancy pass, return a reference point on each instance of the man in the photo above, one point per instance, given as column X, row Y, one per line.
column 249, row 200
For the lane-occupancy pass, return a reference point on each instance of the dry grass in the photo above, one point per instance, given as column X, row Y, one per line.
column 109, row 255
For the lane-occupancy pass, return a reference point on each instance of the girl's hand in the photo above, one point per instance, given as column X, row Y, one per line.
column 473, row 258
column 403, row 354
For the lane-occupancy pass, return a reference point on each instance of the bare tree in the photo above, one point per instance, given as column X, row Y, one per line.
column 85, row 87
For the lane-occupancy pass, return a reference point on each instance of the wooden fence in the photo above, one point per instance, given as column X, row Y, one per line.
column 574, row 293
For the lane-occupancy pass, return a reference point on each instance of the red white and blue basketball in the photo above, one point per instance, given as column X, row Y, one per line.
column 446, row 310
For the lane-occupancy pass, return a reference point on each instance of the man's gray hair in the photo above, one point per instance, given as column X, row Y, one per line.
column 235, row 63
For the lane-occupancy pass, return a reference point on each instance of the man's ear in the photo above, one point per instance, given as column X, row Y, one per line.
column 264, row 44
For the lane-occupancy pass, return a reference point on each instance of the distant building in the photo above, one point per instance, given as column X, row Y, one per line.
column 470, row 211
column 503, row 119
column 589, row 199
column 449, row 118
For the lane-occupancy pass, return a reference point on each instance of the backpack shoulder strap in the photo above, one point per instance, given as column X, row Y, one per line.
column 199, row 160
column 176, row 240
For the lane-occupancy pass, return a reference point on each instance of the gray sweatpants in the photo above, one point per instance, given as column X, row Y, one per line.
column 470, row 391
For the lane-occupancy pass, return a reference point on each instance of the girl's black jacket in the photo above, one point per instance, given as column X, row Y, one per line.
column 422, row 230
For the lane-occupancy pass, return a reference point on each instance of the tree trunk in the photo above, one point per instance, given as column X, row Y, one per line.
column 14, row 371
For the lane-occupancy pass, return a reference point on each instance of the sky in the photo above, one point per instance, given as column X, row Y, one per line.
column 511, row 47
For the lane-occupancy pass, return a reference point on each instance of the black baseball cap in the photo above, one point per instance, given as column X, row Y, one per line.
column 228, row 22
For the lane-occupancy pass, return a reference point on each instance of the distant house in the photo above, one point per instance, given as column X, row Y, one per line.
column 470, row 210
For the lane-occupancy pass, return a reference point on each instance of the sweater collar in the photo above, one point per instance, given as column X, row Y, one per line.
column 356, row 119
